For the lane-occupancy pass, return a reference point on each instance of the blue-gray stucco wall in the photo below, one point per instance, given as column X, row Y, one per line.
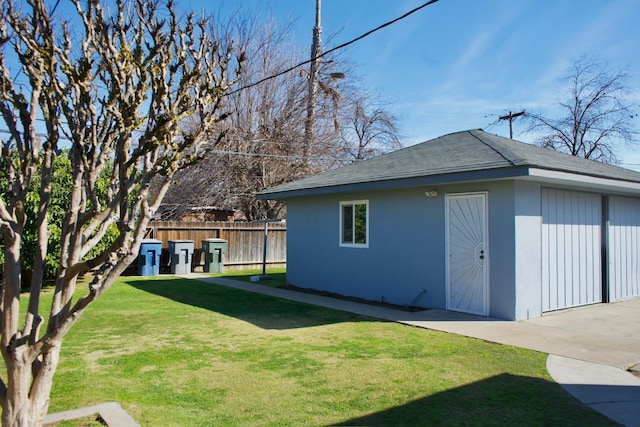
column 406, row 246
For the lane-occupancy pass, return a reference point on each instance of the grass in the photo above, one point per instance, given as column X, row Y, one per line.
column 177, row 352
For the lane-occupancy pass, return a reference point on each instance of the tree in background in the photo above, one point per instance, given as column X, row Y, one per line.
column 596, row 119
column 266, row 143
column 263, row 130
column 368, row 130
column 120, row 85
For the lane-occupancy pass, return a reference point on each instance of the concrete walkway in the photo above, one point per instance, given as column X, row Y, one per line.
column 111, row 413
column 590, row 347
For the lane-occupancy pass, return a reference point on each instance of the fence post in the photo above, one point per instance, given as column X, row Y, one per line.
column 264, row 242
column 264, row 249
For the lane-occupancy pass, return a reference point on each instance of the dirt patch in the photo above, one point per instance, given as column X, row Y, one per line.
column 353, row 299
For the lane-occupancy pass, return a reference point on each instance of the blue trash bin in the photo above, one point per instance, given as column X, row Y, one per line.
column 149, row 258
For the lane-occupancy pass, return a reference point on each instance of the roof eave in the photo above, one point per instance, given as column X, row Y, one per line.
column 550, row 176
column 428, row 180
column 588, row 182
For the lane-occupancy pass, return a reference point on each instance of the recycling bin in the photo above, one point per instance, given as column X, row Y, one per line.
column 149, row 257
column 214, row 251
column 181, row 252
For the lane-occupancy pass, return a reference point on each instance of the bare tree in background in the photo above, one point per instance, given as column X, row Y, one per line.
column 119, row 87
column 368, row 130
column 595, row 118
column 265, row 144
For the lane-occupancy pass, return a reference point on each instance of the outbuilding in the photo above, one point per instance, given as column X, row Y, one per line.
column 470, row 222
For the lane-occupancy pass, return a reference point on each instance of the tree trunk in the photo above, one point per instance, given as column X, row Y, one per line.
column 26, row 405
column 16, row 407
column 24, row 402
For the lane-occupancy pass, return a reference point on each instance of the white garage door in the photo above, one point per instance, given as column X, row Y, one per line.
column 571, row 235
column 624, row 248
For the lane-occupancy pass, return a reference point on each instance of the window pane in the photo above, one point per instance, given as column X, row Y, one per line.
column 347, row 224
column 361, row 224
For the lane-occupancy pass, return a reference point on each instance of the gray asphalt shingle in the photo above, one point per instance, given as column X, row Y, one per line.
column 473, row 150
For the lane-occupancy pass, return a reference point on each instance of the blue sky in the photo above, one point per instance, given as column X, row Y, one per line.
column 459, row 64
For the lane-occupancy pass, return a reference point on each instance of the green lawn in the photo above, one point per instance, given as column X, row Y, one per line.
column 176, row 352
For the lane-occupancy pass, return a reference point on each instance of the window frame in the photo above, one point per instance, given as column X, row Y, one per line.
column 353, row 243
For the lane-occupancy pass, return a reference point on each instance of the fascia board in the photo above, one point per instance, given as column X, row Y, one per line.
column 460, row 177
column 584, row 181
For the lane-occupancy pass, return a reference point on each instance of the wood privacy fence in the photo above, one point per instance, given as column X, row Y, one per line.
column 245, row 247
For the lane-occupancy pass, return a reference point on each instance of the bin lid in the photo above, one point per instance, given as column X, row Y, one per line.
column 180, row 241
column 214, row 240
column 151, row 241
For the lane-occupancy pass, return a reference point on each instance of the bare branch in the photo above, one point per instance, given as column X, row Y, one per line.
column 122, row 88
column 597, row 117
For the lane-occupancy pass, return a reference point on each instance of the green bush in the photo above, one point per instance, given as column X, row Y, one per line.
column 61, row 186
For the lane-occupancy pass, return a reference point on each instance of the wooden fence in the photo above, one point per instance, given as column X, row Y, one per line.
column 245, row 241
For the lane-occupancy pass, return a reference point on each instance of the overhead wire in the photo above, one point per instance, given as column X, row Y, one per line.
column 341, row 46
column 288, row 70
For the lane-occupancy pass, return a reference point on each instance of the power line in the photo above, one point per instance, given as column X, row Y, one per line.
column 55, row 6
column 321, row 55
column 273, row 156
column 343, row 45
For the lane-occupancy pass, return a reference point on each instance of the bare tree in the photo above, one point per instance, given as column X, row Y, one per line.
column 270, row 139
column 596, row 117
column 368, row 131
column 119, row 87
column 265, row 144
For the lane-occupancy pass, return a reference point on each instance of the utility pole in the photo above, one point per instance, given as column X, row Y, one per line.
column 309, row 126
column 510, row 117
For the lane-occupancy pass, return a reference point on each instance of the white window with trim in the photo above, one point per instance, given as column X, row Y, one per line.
column 354, row 224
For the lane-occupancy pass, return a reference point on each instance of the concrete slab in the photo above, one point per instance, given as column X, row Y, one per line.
column 111, row 413
column 609, row 390
column 601, row 333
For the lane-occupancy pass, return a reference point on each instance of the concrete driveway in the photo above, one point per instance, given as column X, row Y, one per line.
column 607, row 334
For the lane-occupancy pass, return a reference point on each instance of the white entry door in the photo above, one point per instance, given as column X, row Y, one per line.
column 467, row 253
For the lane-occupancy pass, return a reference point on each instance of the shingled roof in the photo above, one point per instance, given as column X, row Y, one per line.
column 452, row 154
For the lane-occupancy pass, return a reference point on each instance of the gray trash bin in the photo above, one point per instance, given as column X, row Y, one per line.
column 181, row 252
column 214, row 251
